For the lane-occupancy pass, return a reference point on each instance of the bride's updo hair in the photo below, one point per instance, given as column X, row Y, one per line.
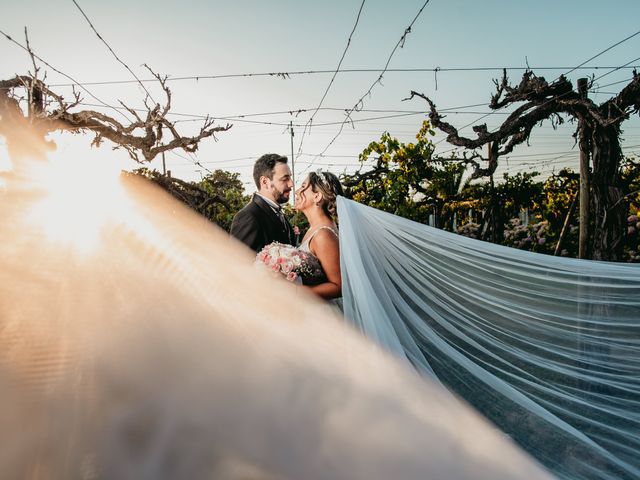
column 329, row 186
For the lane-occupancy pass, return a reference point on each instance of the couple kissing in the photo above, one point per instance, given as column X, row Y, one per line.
column 263, row 227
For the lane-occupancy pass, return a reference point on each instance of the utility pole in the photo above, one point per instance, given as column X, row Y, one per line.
column 164, row 167
column 293, row 167
column 584, row 176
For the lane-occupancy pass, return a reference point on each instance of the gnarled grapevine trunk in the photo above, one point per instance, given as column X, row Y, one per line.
column 609, row 209
column 541, row 101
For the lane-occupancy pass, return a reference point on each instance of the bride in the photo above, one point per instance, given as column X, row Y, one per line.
column 316, row 199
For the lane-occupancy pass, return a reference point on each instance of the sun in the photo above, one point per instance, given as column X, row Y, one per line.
column 80, row 197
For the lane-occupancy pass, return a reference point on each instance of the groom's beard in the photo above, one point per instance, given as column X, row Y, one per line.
column 283, row 197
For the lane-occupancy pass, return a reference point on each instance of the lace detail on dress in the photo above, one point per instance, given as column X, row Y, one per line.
column 318, row 276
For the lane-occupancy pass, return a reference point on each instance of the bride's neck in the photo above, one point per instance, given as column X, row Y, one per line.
column 317, row 217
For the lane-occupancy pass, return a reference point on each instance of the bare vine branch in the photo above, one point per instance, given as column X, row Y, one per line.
column 142, row 146
column 598, row 130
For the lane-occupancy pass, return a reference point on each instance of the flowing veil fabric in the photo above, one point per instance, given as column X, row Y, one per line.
column 547, row 348
column 139, row 342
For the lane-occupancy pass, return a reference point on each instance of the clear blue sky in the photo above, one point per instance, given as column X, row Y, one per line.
column 205, row 38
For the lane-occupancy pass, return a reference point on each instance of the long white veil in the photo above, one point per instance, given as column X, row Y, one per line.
column 547, row 348
column 137, row 341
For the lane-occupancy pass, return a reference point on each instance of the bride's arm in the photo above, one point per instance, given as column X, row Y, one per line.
column 326, row 248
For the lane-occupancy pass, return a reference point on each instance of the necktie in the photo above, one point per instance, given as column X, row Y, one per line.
column 283, row 221
column 278, row 212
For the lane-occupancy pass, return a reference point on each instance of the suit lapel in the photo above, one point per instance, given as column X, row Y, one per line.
column 280, row 232
column 266, row 208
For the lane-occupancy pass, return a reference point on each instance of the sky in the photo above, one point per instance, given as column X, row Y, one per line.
column 227, row 49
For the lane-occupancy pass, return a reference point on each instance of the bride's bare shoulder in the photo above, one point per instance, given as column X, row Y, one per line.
column 325, row 236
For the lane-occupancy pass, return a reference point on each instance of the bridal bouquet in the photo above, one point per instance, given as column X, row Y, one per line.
column 285, row 260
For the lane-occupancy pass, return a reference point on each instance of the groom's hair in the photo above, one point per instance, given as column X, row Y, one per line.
column 264, row 166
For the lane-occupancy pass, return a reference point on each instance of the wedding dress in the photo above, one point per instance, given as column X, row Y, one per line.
column 318, row 276
column 547, row 348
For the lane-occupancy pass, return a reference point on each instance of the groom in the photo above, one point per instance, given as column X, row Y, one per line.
column 262, row 221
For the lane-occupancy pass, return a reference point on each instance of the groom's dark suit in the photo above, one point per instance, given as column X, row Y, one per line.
column 257, row 225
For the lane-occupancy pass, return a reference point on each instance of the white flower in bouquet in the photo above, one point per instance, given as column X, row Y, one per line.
column 285, row 260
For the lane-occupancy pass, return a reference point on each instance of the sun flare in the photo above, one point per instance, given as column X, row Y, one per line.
column 80, row 196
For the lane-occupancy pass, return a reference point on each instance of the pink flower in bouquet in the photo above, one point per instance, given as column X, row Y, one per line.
column 291, row 276
column 284, row 260
column 286, row 267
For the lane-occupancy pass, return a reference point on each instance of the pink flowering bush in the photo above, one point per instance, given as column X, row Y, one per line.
column 471, row 230
column 531, row 237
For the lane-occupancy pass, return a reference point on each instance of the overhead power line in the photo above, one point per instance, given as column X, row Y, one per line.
column 111, row 50
column 626, row 80
column 344, row 53
column 285, row 74
column 192, row 160
column 149, row 96
column 616, row 69
column 242, row 118
column 296, row 111
column 566, row 73
column 359, row 104
column 75, row 82
column 603, row 52
column 543, row 162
